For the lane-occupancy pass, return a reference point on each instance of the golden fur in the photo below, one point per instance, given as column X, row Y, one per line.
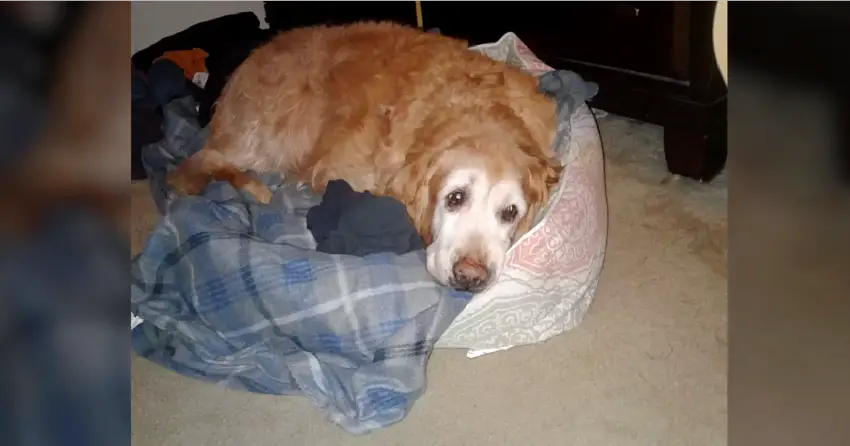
column 384, row 107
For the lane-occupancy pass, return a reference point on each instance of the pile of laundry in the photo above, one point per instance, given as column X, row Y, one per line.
column 205, row 55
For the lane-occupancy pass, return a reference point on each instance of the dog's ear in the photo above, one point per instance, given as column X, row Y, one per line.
column 417, row 185
column 542, row 175
column 533, row 133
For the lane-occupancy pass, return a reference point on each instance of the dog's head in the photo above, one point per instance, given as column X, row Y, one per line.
column 474, row 184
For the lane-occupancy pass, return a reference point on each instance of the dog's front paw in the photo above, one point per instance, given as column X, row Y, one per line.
column 182, row 184
column 260, row 191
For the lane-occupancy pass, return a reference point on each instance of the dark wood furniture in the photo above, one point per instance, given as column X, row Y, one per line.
column 287, row 15
column 653, row 61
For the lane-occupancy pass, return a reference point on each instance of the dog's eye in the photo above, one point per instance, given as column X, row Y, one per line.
column 508, row 214
column 455, row 199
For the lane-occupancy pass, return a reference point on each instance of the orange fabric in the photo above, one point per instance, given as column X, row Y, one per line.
column 191, row 61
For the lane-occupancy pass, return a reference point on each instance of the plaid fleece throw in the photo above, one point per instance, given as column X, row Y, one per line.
column 231, row 291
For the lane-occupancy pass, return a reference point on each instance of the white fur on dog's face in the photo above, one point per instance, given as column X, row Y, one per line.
column 480, row 228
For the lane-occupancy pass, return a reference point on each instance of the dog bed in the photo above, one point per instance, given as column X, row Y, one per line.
column 232, row 291
column 550, row 274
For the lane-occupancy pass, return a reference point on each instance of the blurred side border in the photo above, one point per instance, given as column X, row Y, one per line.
column 789, row 214
column 64, row 251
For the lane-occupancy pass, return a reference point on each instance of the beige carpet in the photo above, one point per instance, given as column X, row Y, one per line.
column 646, row 367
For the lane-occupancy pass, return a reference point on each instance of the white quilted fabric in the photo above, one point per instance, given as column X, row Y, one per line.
column 551, row 273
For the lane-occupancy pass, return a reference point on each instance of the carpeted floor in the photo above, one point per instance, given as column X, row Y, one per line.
column 646, row 367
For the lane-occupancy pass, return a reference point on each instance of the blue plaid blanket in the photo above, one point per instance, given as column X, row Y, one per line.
column 231, row 291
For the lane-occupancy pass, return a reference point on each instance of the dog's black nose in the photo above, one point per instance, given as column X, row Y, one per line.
column 469, row 275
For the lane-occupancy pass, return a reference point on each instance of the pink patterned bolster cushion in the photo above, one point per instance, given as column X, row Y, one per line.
column 551, row 273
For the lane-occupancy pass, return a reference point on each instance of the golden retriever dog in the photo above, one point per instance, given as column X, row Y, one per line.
column 462, row 140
